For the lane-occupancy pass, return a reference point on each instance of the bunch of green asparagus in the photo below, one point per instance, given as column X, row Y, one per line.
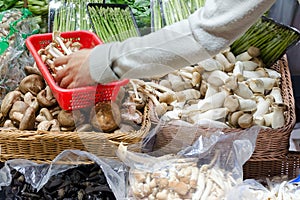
column 167, row 12
column 72, row 15
column 113, row 23
column 271, row 38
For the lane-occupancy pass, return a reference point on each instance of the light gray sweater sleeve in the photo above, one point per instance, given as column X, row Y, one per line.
column 204, row 34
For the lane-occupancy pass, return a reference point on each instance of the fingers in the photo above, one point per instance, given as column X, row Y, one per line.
column 61, row 60
column 60, row 74
column 66, row 81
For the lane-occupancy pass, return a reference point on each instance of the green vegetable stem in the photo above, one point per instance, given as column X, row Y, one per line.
column 271, row 38
column 72, row 15
column 112, row 23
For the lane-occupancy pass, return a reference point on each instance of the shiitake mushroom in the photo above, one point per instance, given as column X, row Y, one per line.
column 105, row 116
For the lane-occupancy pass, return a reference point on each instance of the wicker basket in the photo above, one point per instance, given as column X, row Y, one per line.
column 271, row 144
column 44, row 146
column 285, row 166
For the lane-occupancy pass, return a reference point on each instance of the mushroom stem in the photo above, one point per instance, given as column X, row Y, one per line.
column 278, row 116
column 249, row 65
column 243, row 91
column 252, row 52
column 276, row 93
column 53, row 51
column 262, row 107
column 213, row 114
column 217, row 78
column 227, row 66
column 238, row 71
column 256, row 85
column 210, row 65
column 56, row 37
column 136, row 94
column 211, row 90
column 31, row 101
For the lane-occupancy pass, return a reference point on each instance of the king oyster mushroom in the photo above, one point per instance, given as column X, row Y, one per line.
column 106, row 116
column 32, row 83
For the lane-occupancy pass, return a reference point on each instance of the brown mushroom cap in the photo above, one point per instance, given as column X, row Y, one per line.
column 8, row 101
column 44, row 115
column 52, row 125
column 234, row 117
column 245, row 121
column 32, row 83
column 231, row 103
column 32, row 70
column 253, row 51
column 106, row 117
column 31, row 101
column 18, row 107
column 66, row 118
column 28, row 120
column 46, row 98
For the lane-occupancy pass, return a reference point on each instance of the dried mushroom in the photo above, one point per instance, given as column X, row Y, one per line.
column 32, row 83
column 46, row 98
column 106, row 116
column 8, row 101
column 66, row 118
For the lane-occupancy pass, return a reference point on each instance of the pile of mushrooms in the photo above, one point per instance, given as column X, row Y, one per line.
column 182, row 179
column 32, row 106
column 21, row 108
column 223, row 91
column 57, row 48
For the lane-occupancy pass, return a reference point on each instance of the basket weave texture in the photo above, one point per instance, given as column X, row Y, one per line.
column 287, row 165
column 44, row 146
column 271, row 144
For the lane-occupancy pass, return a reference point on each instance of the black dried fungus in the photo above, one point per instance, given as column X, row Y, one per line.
column 85, row 182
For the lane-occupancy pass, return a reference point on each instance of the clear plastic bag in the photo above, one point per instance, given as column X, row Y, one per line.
column 37, row 175
column 252, row 189
column 69, row 15
column 209, row 168
column 15, row 26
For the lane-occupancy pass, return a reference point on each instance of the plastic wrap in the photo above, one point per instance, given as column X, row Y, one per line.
column 37, row 175
column 156, row 15
column 252, row 189
column 15, row 26
column 208, row 169
column 167, row 12
column 69, row 15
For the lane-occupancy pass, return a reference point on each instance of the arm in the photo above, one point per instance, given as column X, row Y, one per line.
column 204, row 34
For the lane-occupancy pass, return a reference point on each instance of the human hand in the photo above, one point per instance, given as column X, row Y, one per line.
column 76, row 72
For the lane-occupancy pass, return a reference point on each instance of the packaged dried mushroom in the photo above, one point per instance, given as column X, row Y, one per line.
column 203, row 172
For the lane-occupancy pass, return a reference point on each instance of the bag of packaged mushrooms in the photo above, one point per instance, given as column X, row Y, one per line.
column 208, row 169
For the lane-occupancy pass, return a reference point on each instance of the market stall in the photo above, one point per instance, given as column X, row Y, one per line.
column 217, row 129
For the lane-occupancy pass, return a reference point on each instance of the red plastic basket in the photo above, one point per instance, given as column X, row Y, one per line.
column 72, row 99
